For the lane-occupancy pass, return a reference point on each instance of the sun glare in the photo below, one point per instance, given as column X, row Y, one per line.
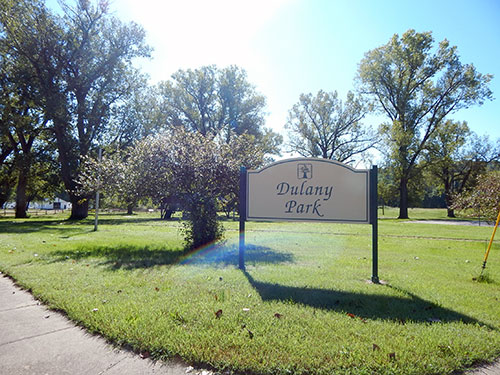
column 188, row 34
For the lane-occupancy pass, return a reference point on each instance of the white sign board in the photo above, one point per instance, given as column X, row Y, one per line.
column 308, row 189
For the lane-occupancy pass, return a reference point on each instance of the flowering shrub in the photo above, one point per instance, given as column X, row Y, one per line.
column 199, row 170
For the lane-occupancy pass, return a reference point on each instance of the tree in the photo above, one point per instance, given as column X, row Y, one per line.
column 416, row 89
column 456, row 156
column 7, row 164
column 483, row 198
column 44, row 179
column 7, row 175
column 323, row 126
column 134, row 117
column 418, row 187
column 82, row 62
column 215, row 101
column 247, row 152
column 21, row 119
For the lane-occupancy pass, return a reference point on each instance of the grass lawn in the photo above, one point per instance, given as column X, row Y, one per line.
column 302, row 306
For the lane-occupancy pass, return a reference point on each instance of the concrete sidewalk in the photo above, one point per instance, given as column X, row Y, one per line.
column 493, row 369
column 35, row 340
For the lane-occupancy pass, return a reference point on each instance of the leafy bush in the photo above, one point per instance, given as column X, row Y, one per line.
column 483, row 199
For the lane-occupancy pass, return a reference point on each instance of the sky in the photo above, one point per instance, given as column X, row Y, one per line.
column 289, row 47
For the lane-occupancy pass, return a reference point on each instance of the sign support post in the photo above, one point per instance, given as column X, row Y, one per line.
column 243, row 216
column 374, row 222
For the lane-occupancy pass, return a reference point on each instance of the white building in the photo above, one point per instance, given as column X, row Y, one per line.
column 51, row 204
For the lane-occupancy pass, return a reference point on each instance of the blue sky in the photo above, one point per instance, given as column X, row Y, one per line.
column 289, row 47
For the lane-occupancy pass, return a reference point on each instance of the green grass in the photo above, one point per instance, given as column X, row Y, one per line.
column 302, row 306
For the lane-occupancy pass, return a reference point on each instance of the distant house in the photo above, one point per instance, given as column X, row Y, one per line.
column 9, row 205
column 46, row 204
column 51, row 204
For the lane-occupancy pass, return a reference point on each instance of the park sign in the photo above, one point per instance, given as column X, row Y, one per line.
column 308, row 189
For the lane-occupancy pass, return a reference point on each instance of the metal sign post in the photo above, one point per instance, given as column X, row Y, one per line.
column 374, row 222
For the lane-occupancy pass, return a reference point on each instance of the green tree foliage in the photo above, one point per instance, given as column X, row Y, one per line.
column 7, row 167
column 456, row 156
column 420, row 187
column 483, row 199
column 134, row 117
column 323, row 126
column 142, row 171
column 416, row 88
column 7, row 164
column 214, row 101
column 82, row 62
column 23, row 124
column 44, row 179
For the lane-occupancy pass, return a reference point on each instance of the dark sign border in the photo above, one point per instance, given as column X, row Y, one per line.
column 298, row 160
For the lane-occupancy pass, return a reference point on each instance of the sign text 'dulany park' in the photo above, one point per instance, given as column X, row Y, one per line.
column 308, row 189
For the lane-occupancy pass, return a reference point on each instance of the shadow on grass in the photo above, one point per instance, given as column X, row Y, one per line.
column 402, row 309
column 30, row 225
column 131, row 219
column 49, row 225
column 123, row 256
column 26, row 225
column 132, row 257
column 67, row 227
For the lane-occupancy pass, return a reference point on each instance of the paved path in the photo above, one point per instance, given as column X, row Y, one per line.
column 455, row 222
column 486, row 370
column 37, row 341
column 34, row 340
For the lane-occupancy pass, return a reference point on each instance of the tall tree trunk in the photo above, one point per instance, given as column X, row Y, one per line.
column 449, row 201
column 448, row 193
column 68, row 158
column 403, row 198
column 79, row 208
column 451, row 212
column 21, row 198
column 130, row 208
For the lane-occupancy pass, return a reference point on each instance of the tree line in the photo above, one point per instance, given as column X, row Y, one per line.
column 69, row 87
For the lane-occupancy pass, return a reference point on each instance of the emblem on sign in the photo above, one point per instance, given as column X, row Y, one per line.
column 304, row 171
